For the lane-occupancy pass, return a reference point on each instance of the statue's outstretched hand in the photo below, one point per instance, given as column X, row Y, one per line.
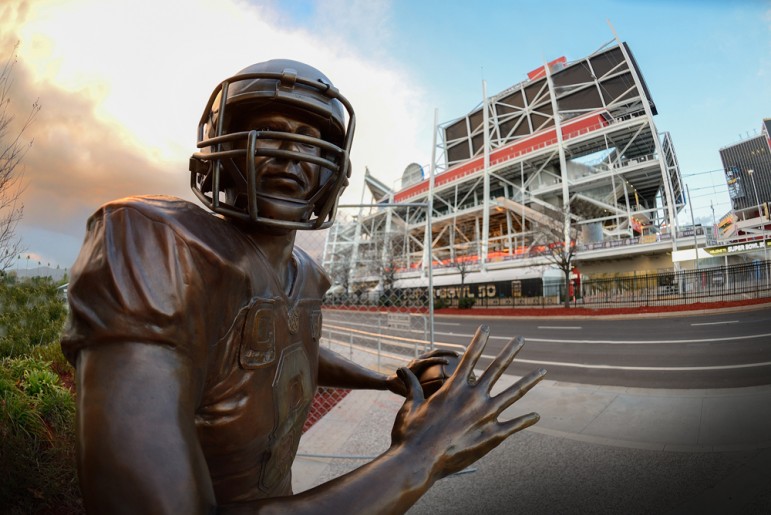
column 459, row 423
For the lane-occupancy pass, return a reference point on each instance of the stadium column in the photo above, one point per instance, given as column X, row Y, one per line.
column 563, row 161
column 486, row 172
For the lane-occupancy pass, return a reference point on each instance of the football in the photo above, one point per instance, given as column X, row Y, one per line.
column 432, row 378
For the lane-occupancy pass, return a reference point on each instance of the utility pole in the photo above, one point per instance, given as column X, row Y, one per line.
column 693, row 225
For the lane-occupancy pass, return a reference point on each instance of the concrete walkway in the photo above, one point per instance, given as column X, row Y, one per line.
column 654, row 438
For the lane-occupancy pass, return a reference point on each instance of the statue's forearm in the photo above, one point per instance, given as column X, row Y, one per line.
column 391, row 483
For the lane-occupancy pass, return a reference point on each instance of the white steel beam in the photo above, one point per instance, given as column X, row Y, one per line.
column 486, row 187
column 563, row 162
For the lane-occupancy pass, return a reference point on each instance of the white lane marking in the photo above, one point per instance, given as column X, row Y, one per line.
column 637, row 342
column 608, row 342
column 659, row 369
column 559, row 327
column 717, row 323
column 445, row 323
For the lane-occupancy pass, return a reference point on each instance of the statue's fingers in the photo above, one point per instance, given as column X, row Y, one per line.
column 501, row 363
column 501, row 430
column 515, row 392
column 514, row 425
column 472, row 354
column 414, row 390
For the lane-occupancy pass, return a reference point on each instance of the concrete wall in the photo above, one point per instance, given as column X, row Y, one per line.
column 640, row 264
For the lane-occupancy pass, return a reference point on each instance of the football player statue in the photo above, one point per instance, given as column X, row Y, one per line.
column 195, row 335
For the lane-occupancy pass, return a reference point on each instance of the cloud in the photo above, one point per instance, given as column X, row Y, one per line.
column 77, row 162
column 122, row 87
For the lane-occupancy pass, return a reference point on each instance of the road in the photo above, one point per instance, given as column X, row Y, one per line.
column 718, row 350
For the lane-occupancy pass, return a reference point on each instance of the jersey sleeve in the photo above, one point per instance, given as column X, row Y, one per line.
column 136, row 280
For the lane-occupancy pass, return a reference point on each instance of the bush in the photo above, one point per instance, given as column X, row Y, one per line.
column 37, row 407
column 466, row 302
column 32, row 313
column 37, row 439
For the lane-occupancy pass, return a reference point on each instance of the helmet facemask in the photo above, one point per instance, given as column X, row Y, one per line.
column 224, row 174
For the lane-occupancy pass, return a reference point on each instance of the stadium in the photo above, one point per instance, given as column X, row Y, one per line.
column 568, row 158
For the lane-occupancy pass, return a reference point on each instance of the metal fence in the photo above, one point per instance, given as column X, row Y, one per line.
column 714, row 284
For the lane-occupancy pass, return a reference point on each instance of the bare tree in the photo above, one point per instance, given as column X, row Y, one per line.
column 462, row 261
column 13, row 148
column 339, row 270
column 558, row 238
column 387, row 262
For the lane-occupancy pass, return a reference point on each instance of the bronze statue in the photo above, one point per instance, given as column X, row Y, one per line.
column 195, row 336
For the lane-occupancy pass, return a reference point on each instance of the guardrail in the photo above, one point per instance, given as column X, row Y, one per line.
column 378, row 343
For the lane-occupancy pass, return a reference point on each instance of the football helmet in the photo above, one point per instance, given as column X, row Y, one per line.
column 223, row 174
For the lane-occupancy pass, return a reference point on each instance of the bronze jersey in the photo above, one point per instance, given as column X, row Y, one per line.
column 160, row 270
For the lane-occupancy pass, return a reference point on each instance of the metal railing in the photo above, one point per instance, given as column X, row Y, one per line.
column 381, row 340
column 714, row 284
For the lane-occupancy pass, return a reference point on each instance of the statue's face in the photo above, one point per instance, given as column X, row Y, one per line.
column 284, row 186
column 280, row 177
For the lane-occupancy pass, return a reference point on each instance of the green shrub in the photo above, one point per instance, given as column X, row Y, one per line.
column 466, row 302
column 37, row 435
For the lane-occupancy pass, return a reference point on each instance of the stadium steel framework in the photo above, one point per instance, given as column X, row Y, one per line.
column 574, row 146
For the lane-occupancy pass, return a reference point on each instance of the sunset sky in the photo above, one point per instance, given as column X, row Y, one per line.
column 123, row 83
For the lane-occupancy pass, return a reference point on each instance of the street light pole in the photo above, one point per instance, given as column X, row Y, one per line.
column 693, row 227
column 751, row 172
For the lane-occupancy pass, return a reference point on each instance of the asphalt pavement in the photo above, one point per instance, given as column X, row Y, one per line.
column 596, row 449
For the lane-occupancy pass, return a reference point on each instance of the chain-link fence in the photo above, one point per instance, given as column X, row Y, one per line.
column 324, row 400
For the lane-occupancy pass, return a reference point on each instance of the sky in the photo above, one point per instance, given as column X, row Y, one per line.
column 122, row 84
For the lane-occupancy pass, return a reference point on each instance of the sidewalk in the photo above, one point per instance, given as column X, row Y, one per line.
column 722, row 430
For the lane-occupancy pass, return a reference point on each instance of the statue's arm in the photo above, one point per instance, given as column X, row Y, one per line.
column 431, row 439
column 138, row 451
column 137, row 446
column 337, row 372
